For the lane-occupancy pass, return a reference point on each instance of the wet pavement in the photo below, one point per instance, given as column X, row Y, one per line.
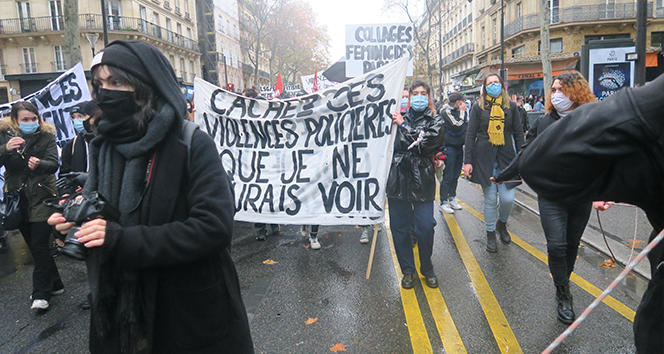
column 301, row 300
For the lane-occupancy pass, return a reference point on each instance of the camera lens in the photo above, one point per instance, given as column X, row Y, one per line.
column 73, row 248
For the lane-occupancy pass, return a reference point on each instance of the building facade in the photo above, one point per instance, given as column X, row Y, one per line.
column 32, row 38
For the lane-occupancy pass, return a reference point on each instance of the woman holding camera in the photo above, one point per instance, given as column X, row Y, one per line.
column 30, row 156
column 161, row 277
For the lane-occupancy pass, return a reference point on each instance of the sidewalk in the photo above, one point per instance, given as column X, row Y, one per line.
column 618, row 224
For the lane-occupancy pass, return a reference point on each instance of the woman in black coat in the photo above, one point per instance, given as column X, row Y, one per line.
column 563, row 223
column 161, row 277
column 494, row 134
column 411, row 184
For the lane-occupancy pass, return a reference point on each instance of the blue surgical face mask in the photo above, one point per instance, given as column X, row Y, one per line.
column 419, row 103
column 404, row 102
column 28, row 128
column 494, row 90
column 78, row 125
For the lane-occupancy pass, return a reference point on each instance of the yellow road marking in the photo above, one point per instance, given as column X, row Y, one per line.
column 618, row 306
column 501, row 329
column 447, row 330
column 418, row 332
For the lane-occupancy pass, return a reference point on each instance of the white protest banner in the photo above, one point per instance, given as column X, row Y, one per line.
column 318, row 159
column 268, row 91
column 371, row 46
column 323, row 82
column 56, row 99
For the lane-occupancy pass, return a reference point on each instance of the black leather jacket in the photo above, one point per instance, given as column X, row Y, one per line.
column 412, row 174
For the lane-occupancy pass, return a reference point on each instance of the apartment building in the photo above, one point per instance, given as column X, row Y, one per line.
column 32, row 38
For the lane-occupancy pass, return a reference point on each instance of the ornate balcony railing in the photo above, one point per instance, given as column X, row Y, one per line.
column 577, row 13
column 30, row 68
column 94, row 22
column 465, row 49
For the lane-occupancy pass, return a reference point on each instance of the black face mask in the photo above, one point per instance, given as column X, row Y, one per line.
column 87, row 126
column 116, row 105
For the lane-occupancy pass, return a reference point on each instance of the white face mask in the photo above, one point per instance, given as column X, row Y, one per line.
column 561, row 102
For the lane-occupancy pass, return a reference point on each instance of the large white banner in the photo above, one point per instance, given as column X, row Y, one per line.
column 323, row 82
column 371, row 46
column 317, row 159
column 609, row 70
column 56, row 99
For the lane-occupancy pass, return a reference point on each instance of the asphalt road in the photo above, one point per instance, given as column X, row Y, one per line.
column 487, row 303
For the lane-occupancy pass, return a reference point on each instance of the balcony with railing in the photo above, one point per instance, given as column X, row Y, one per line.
column 177, row 10
column 167, row 5
column 463, row 50
column 576, row 13
column 30, row 68
column 94, row 22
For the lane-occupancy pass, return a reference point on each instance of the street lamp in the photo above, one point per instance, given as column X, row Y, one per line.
column 502, row 41
column 92, row 38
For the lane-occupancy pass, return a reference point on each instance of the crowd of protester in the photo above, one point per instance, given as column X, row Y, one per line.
column 154, row 267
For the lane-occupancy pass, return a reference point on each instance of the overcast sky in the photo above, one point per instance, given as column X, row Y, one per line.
column 336, row 14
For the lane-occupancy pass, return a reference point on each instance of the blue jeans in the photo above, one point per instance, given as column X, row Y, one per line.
column 563, row 227
column 423, row 221
column 453, row 165
column 497, row 200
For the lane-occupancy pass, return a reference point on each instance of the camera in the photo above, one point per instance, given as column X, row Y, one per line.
column 79, row 209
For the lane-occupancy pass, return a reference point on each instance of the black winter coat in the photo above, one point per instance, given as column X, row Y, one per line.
column 481, row 153
column 412, row 174
column 189, row 285
column 543, row 122
column 613, row 151
column 38, row 184
column 75, row 154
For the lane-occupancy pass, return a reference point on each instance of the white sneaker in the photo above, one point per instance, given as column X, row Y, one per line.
column 315, row 245
column 39, row 305
column 446, row 208
column 304, row 231
column 455, row 205
column 365, row 235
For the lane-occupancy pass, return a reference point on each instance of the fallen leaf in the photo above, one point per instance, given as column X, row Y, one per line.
column 338, row 348
column 634, row 245
column 608, row 263
column 311, row 320
column 306, row 246
column 269, row 261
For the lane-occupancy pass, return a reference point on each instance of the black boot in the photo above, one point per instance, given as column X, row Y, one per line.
column 501, row 227
column 491, row 245
column 565, row 305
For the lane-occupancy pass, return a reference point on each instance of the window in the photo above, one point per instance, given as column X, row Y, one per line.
column 144, row 19
column 114, row 13
column 55, row 12
column 59, row 57
column 183, row 71
column 519, row 10
column 186, row 8
column 169, row 30
column 156, row 30
column 610, row 11
column 556, row 45
column 29, row 60
column 192, row 70
column 3, row 67
column 519, row 51
column 554, row 5
column 172, row 60
column 483, row 36
column 23, row 9
column 657, row 40
column 495, row 31
column 179, row 30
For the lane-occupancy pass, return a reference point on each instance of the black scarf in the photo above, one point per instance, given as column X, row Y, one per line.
column 118, row 173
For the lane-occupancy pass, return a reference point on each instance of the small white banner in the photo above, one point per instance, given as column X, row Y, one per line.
column 317, row 159
column 369, row 47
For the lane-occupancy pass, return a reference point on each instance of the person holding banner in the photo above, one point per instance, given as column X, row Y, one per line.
column 412, row 183
column 494, row 134
column 161, row 276
column 29, row 154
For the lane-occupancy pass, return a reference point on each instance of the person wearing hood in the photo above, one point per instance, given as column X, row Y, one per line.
column 29, row 154
column 455, row 115
column 75, row 152
column 411, row 184
column 161, row 276
column 563, row 223
column 494, row 130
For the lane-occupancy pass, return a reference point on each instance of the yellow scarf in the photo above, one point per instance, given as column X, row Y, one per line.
column 496, row 129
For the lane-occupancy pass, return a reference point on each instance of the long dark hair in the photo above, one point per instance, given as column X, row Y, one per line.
column 143, row 94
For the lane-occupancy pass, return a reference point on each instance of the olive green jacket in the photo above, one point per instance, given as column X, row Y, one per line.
column 37, row 184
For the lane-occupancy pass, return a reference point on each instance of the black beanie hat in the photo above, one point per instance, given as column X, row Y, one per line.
column 86, row 107
column 148, row 64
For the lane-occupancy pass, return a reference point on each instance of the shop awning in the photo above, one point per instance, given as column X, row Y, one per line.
column 521, row 71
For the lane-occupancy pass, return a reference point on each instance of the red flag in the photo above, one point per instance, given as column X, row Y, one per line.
column 315, row 88
column 279, row 87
